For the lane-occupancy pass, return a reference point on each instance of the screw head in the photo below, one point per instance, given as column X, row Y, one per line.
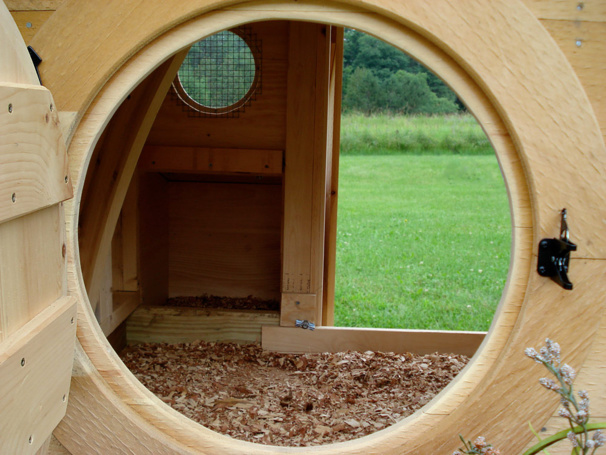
column 542, row 270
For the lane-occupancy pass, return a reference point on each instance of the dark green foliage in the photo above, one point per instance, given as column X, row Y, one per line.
column 377, row 77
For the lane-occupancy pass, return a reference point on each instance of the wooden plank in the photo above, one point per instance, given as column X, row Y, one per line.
column 211, row 160
column 224, row 239
column 322, row 162
column 32, row 267
column 298, row 307
column 164, row 324
column 29, row 22
column 125, row 243
column 153, row 218
column 124, row 303
column 15, row 64
column 35, row 370
column 337, row 339
column 117, row 158
column 332, row 179
column 33, row 158
column 305, row 169
column 568, row 10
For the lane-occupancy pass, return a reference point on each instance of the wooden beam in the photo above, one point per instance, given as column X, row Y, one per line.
column 33, row 157
column 35, row 371
column 124, row 303
column 211, row 160
column 125, row 243
column 332, row 175
column 153, row 216
column 116, row 161
column 164, row 324
column 305, row 170
column 337, row 339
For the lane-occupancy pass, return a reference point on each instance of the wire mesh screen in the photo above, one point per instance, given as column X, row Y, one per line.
column 221, row 73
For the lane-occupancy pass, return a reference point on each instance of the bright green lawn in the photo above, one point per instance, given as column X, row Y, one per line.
column 423, row 241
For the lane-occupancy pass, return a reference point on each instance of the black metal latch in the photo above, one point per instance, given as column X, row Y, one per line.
column 554, row 256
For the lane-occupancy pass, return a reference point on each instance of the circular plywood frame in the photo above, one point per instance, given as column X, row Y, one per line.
column 517, row 83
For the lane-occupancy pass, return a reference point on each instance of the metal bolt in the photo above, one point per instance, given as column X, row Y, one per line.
column 544, row 243
column 542, row 270
column 579, row 43
column 28, row 24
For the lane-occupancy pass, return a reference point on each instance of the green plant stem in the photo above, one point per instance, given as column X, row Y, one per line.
column 563, row 435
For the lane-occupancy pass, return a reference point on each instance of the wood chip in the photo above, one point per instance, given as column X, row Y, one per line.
column 290, row 400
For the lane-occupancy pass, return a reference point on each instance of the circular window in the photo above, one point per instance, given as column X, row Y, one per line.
column 220, row 74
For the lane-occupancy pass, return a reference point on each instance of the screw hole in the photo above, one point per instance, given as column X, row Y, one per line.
column 72, row 321
column 23, row 362
column 31, row 439
column 66, row 179
column 64, row 398
column 14, row 197
column 52, row 108
column 580, row 6
column 10, row 108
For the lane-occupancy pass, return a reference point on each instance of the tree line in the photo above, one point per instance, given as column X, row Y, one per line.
column 377, row 77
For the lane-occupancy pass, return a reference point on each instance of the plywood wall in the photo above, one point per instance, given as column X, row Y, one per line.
column 224, row 239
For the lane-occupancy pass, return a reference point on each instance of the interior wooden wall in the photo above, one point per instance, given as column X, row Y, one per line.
column 223, row 227
column 224, row 239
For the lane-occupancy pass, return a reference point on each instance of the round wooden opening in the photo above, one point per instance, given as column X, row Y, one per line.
column 486, row 69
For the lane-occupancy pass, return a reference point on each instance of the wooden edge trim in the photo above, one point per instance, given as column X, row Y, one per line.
column 336, row 339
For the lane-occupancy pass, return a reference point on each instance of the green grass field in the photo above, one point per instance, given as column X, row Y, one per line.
column 423, row 240
column 413, row 135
